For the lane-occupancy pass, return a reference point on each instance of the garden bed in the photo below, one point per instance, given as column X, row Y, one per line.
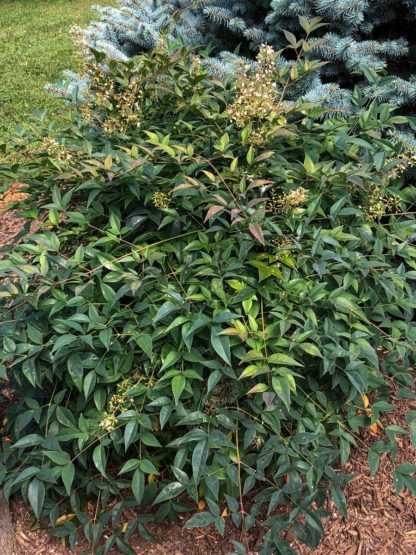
column 379, row 522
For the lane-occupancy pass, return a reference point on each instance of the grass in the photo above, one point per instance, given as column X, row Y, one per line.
column 36, row 47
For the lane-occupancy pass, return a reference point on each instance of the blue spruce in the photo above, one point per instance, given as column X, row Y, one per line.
column 360, row 38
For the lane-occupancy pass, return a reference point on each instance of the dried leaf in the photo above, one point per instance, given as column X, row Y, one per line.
column 65, row 518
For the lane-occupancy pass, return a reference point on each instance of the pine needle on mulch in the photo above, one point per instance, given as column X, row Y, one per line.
column 378, row 521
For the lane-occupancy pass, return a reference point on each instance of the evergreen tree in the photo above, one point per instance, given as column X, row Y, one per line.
column 360, row 35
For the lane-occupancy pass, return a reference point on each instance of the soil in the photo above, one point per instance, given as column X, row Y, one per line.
column 378, row 521
column 9, row 224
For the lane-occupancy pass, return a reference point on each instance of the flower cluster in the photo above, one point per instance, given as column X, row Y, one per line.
column 256, row 91
column 121, row 401
column 108, row 422
column 403, row 161
column 196, row 65
column 112, row 109
column 288, row 201
column 118, row 403
column 55, row 150
column 379, row 204
column 161, row 200
column 282, row 247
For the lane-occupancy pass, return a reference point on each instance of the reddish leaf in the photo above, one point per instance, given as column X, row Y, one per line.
column 234, row 213
column 240, row 219
column 256, row 232
column 259, row 183
column 212, row 211
column 220, row 199
column 254, row 202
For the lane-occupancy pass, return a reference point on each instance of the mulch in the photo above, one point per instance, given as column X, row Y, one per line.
column 378, row 521
column 9, row 224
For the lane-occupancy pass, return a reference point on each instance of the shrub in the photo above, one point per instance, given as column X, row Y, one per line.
column 200, row 318
column 358, row 36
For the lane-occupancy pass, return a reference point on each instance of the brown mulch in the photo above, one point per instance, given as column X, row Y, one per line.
column 378, row 522
column 174, row 540
column 9, row 224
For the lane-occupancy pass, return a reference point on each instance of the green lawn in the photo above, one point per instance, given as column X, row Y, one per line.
column 35, row 47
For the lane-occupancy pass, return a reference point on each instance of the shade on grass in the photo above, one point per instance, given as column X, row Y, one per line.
column 35, row 47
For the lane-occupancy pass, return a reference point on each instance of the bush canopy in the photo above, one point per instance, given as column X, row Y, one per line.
column 219, row 299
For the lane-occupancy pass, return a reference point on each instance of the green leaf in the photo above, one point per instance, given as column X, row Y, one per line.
column 100, row 398
column 99, row 458
column 58, row 457
column 253, row 370
column 311, row 349
column 199, row 520
column 29, row 371
column 171, row 358
column 170, row 491
column 76, row 370
column 410, row 482
column 221, row 344
column 68, row 474
column 34, row 335
column 198, row 323
column 357, row 381
column 137, row 485
column 149, row 439
column 406, row 468
column 283, row 360
column 282, row 388
column 145, row 342
column 105, row 337
column 63, row 341
column 130, row 432
column 167, row 308
column 399, row 482
column 373, row 461
column 107, row 291
column 339, row 500
column 28, row 472
column 413, row 433
column 223, row 316
column 3, row 372
column 313, row 520
column 259, row 388
column 132, row 464
column 147, row 467
column 213, row 379
column 28, row 441
column 309, row 165
column 36, row 496
column 65, row 417
column 345, row 449
column 89, row 383
column 199, row 459
column 290, row 37
column 345, row 304
column 178, row 385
